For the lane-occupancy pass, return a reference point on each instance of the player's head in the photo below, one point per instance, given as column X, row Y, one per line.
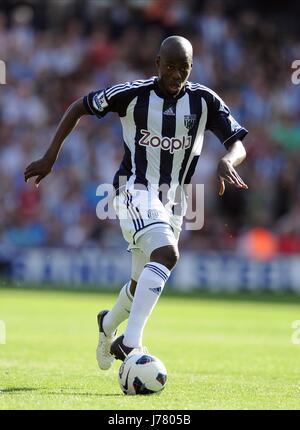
column 174, row 64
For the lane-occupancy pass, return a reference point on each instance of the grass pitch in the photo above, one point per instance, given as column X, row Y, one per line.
column 230, row 352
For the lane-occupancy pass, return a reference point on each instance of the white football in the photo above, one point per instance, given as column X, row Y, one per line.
column 142, row 374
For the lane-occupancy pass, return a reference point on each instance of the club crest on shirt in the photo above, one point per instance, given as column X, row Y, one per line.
column 190, row 121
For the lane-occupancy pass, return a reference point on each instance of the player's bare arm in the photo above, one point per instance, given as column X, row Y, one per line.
column 42, row 167
column 226, row 167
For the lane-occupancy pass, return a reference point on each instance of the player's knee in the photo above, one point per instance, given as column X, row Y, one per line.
column 166, row 255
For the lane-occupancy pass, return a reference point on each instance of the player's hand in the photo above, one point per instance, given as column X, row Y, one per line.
column 227, row 173
column 39, row 168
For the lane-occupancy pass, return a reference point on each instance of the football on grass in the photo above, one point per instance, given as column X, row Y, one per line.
column 142, row 374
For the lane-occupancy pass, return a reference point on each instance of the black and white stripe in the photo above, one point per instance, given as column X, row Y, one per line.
column 140, row 116
column 156, row 166
column 166, row 158
column 153, row 155
column 134, row 212
column 117, row 89
column 144, row 111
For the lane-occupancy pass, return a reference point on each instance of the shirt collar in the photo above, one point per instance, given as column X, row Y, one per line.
column 159, row 93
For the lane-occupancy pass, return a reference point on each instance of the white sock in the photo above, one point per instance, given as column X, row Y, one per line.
column 119, row 312
column 149, row 287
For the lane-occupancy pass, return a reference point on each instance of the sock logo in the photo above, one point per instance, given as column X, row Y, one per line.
column 156, row 290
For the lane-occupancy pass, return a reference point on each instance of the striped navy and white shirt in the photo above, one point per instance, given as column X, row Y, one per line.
column 163, row 137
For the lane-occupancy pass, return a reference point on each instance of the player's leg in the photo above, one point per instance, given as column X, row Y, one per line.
column 122, row 307
column 160, row 245
column 108, row 321
column 106, row 335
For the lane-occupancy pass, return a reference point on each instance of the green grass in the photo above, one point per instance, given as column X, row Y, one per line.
column 220, row 352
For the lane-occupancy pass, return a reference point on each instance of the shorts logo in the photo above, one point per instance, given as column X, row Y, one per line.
column 190, row 121
column 100, row 102
column 153, row 213
column 171, row 144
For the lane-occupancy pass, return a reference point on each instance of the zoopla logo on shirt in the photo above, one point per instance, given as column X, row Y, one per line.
column 171, row 144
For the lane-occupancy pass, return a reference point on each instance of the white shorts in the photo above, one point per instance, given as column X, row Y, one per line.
column 146, row 225
column 140, row 211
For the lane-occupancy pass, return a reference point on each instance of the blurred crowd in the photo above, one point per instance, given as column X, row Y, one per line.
column 66, row 49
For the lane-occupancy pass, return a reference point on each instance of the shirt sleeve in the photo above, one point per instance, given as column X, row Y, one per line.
column 111, row 99
column 221, row 122
column 96, row 103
